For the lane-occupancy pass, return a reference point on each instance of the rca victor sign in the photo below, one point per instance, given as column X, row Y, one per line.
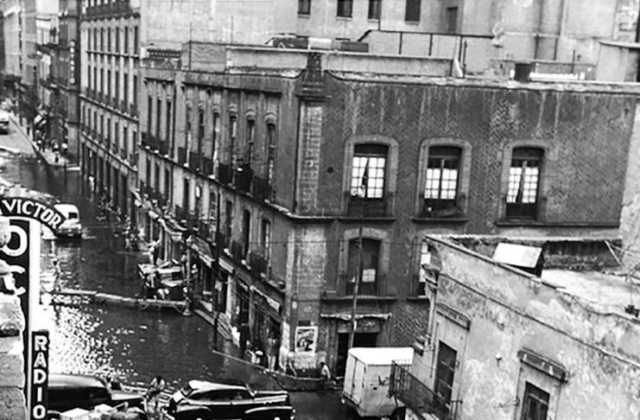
column 20, row 232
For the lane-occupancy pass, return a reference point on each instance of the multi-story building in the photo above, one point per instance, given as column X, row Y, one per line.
column 12, row 58
column 109, row 51
column 66, row 112
column 305, row 187
column 47, row 89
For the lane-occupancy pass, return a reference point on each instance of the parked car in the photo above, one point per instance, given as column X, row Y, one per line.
column 66, row 392
column 270, row 413
column 71, row 226
column 219, row 400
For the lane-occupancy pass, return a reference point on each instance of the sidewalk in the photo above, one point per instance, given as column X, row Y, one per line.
column 48, row 155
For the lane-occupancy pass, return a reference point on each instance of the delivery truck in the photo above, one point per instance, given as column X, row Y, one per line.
column 367, row 379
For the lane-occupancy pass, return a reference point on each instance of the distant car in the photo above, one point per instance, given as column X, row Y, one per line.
column 71, row 226
column 220, row 400
column 4, row 122
column 66, row 392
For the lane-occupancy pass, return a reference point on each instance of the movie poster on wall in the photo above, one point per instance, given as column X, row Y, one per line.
column 306, row 338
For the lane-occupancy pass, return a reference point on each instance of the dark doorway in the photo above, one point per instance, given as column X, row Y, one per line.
column 359, row 340
column 445, row 371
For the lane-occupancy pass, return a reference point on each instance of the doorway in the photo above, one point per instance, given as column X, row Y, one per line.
column 359, row 340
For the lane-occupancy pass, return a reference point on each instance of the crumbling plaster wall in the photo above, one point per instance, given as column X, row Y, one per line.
column 509, row 311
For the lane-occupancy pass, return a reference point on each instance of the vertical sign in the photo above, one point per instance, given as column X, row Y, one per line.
column 16, row 254
column 39, row 375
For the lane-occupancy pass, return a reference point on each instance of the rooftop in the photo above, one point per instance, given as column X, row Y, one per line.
column 605, row 292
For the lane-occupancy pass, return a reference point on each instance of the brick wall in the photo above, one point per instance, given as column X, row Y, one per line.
column 12, row 378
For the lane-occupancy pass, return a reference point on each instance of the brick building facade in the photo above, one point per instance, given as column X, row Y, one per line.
column 313, row 178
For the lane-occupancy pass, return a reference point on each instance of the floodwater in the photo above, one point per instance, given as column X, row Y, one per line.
column 131, row 344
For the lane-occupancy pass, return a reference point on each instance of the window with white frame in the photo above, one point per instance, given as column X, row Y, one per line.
column 442, row 178
column 368, row 171
column 523, row 184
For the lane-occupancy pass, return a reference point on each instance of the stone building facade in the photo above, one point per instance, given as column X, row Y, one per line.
column 109, row 102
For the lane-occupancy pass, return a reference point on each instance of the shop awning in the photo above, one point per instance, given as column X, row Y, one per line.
column 203, row 249
column 346, row 316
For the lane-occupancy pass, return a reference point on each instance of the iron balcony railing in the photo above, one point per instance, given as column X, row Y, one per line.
column 419, row 397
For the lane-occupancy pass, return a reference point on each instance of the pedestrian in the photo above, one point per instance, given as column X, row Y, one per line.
column 57, row 275
column 65, row 147
column 272, row 351
column 153, row 393
column 325, row 377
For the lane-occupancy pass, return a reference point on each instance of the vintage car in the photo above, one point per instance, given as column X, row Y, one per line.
column 66, row 392
column 283, row 412
column 71, row 226
column 219, row 400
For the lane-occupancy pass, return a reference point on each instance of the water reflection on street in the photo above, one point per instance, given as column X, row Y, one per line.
column 134, row 345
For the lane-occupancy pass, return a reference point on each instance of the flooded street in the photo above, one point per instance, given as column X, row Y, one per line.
column 134, row 345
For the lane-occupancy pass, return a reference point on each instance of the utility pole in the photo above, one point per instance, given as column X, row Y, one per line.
column 356, row 287
column 217, row 272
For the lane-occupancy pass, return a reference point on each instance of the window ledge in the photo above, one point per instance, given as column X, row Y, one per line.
column 361, row 298
column 349, row 219
column 457, row 220
column 537, row 223
column 417, row 299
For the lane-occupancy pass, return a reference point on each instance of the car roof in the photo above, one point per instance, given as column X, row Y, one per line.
column 66, row 207
column 60, row 380
column 200, row 385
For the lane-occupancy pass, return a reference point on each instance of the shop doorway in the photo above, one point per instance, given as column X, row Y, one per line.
column 359, row 340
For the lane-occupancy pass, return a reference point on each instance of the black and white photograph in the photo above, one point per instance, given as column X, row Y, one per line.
column 319, row 209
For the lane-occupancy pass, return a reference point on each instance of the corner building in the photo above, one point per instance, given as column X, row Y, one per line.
column 291, row 178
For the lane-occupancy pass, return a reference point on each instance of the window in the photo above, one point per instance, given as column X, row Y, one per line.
column 158, row 117
column 368, row 171
column 374, row 9
column 445, row 372
column 428, row 277
column 109, row 39
column 535, row 403
column 134, row 92
column 214, row 137
column 441, row 184
column 233, row 125
column 246, row 232
column 304, row 7
column 95, row 78
column 412, row 11
column 524, row 179
column 135, row 40
column 228, row 222
column 271, row 152
column 363, row 265
column 117, row 85
column 185, row 195
column 345, row 8
column 89, row 85
column 117, row 40
column 265, row 239
column 156, row 178
column 149, row 114
column 251, row 131
column 125, row 142
column 201, row 128
column 102, row 39
column 125, row 86
column 451, row 20
column 102, row 81
column 168, row 122
column 126, row 40
column 108, row 84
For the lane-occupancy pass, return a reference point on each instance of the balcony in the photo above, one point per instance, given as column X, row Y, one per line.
column 194, row 161
column 369, row 286
column 244, row 175
column 182, row 155
column 133, row 110
column 443, row 209
column 258, row 262
column 163, row 147
column 424, row 402
column 261, row 189
column 369, row 207
column 207, row 166
column 225, row 173
column 237, row 251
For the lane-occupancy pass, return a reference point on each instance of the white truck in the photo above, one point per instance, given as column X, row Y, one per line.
column 367, row 378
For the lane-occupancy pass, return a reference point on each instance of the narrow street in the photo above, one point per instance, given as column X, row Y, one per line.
column 133, row 345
